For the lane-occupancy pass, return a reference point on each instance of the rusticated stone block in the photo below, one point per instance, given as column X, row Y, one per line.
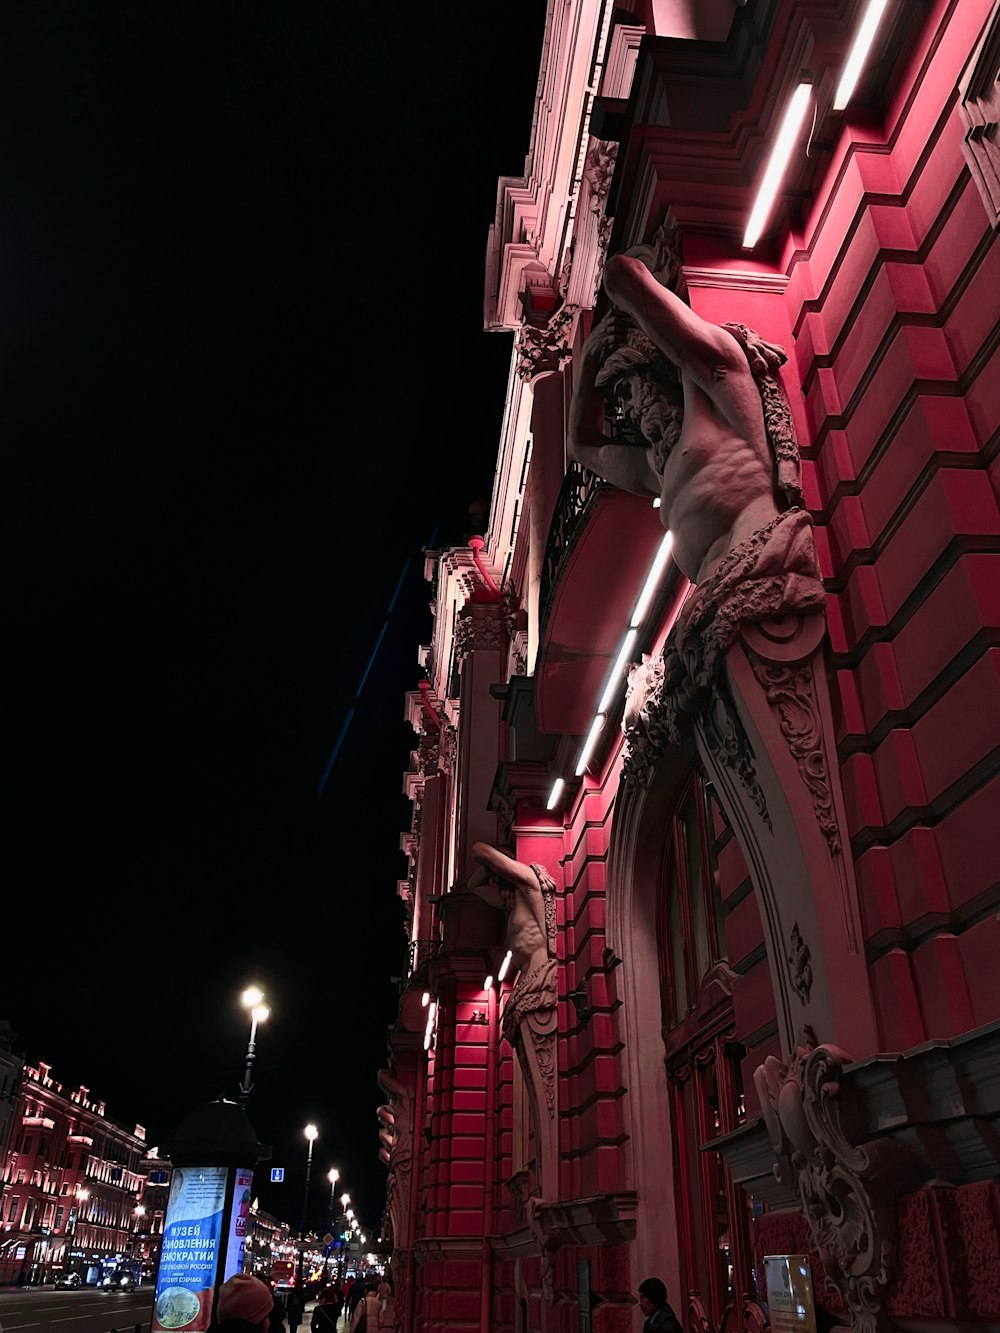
column 917, row 1290
column 460, row 1273
column 977, row 1285
column 980, row 948
column 940, row 978
column 897, row 1002
column 461, row 1305
column 612, row 1318
column 609, row 1271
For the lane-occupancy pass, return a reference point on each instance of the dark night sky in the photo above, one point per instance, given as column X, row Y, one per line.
column 243, row 379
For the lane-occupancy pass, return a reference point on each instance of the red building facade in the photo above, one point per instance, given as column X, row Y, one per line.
column 79, row 1190
column 777, row 1029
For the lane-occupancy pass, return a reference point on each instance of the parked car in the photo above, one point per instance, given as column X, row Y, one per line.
column 69, row 1280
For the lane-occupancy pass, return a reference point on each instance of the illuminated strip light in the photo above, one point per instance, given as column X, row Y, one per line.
column 556, row 793
column 428, row 1031
column 791, row 124
column 653, row 578
column 588, row 747
column 614, row 680
column 487, row 984
column 507, row 957
column 858, row 53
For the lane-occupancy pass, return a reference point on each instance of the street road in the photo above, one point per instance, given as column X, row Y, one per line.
column 86, row 1311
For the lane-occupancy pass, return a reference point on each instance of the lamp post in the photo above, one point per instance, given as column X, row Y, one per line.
column 140, row 1213
column 333, row 1175
column 345, row 1199
column 81, row 1198
column 311, row 1133
column 252, row 999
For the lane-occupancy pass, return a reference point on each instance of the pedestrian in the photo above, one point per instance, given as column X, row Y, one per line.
column 366, row 1312
column 276, row 1323
column 244, row 1305
column 660, row 1318
column 295, row 1308
column 326, row 1312
column 354, row 1294
column 387, row 1301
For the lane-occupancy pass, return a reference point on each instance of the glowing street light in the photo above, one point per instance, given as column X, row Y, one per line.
column 82, row 1196
column 252, row 999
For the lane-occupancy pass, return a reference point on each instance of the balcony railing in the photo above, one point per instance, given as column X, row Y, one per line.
column 421, row 952
column 579, row 487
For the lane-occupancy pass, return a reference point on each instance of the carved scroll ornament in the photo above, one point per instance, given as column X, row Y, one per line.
column 844, row 1187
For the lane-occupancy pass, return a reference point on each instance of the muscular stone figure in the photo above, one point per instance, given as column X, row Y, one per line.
column 707, row 430
column 525, row 893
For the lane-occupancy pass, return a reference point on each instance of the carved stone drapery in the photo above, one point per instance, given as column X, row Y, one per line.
column 844, row 1185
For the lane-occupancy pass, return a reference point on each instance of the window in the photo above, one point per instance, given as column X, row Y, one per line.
column 704, row 1059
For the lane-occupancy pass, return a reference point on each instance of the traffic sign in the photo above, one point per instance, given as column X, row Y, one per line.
column 277, row 1175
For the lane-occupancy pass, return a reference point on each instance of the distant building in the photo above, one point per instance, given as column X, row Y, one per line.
column 775, row 930
column 73, row 1186
column 11, row 1068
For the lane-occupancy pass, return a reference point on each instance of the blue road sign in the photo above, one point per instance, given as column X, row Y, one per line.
column 277, row 1175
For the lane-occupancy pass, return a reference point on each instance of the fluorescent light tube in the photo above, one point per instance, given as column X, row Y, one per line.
column 791, row 124
column 858, row 53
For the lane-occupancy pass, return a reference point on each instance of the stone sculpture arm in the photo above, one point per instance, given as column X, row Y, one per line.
column 706, row 353
column 624, row 465
column 493, row 865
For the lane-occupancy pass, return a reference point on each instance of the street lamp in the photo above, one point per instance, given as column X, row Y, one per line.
column 81, row 1197
column 311, row 1133
column 252, row 999
column 333, row 1175
column 345, row 1199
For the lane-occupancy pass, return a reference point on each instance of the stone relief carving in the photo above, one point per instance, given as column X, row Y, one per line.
column 545, row 349
column 598, row 169
column 477, row 628
column 791, row 692
column 844, row 1187
column 798, row 958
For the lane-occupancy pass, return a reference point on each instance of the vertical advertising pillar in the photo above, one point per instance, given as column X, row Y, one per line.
column 212, row 1158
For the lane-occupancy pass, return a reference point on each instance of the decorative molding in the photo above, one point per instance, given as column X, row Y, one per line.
column 979, row 108
column 730, row 744
column 477, row 629
column 791, row 692
column 598, row 170
column 544, row 1042
column 844, row 1184
column 799, row 964
column 735, row 280
column 542, row 350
